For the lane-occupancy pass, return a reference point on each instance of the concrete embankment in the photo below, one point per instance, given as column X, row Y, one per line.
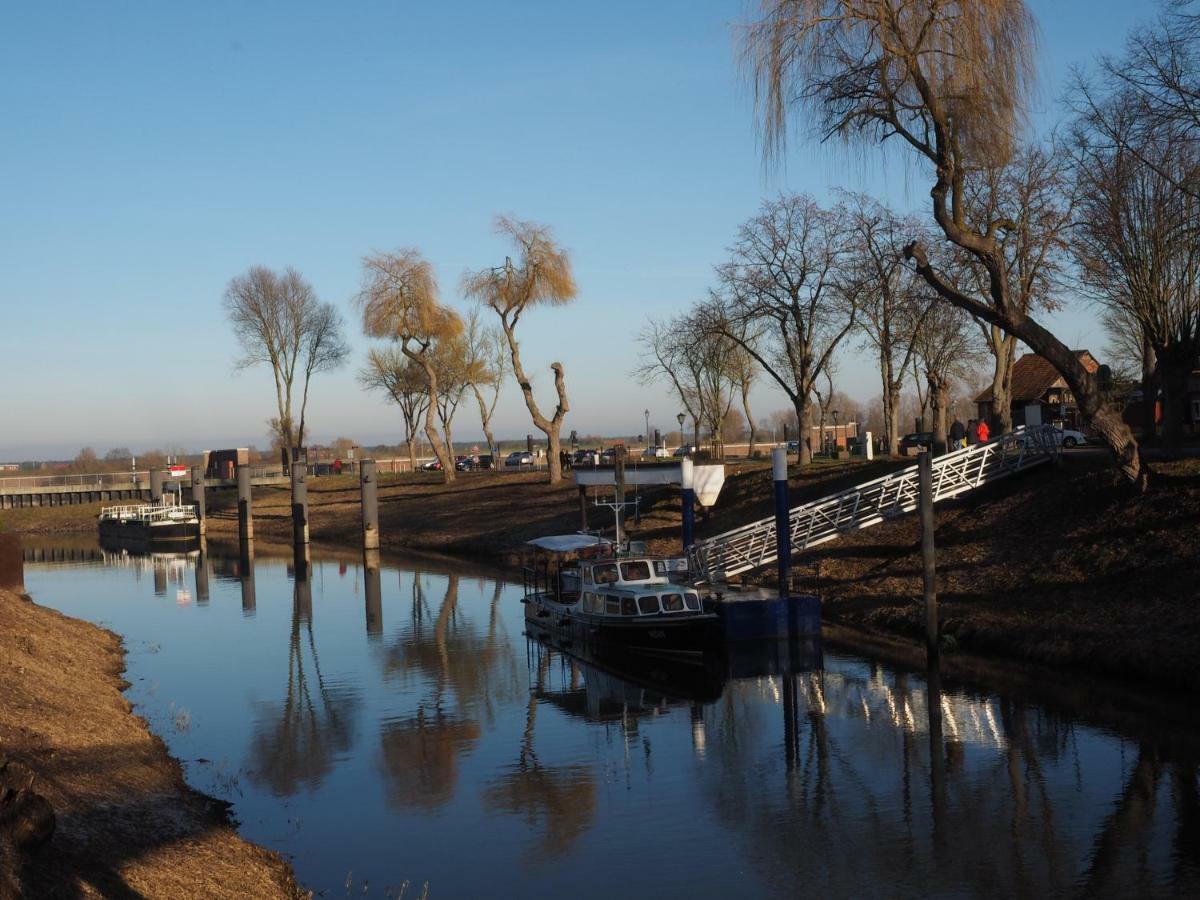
column 125, row 823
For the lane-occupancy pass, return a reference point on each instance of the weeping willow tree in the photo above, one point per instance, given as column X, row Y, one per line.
column 950, row 80
column 399, row 301
column 541, row 276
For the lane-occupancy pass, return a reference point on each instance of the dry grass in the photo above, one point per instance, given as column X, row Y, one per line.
column 128, row 826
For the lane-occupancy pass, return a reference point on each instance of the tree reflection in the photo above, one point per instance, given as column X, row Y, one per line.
column 558, row 800
column 463, row 672
column 295, row 742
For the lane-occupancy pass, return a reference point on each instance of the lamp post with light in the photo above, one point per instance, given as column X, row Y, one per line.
column 680, row 419
column 647, row 414
column 835, row 433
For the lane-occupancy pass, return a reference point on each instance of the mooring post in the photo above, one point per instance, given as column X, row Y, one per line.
column 369, row 481
column 156, row 485
column 688, row 498
column 374, row 593
column 582, row 507
column 198, row 495
column 299, row 504
column 302, row 569
column 245, row 505
column 246, row 563
column 783, row 531
column 925, row 480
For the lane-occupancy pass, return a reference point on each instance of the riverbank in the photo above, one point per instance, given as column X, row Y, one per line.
column 127, row 824
column 1058, row 566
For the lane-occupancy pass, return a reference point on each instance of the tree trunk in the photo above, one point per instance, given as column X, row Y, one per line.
column 1004, row 350
column 891, row 418
column 552, row 428
column 411, row 440
column 803, row 407
column 1149, row 391
column 937, row 407
column 485, row 419
column 431, row 432
column 750, row 424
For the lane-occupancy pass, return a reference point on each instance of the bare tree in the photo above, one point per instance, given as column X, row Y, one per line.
column 893, row 301
column 454, row 375
column 405, row 382
column 943, row 346
column 541, row 276
column 486, row 360
column 399, row 301
column 278, row 320
column 1138, row 246
column 744, row 371
column 780, row 298
column 950, row 80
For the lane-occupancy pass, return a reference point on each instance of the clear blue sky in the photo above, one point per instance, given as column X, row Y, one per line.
column 152, row 151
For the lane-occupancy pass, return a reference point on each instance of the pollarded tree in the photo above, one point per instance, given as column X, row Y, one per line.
column 542, row 275
column 405, row 382
column 278, row 320
column 950, row 79
column 784, row 298
column 399, row 301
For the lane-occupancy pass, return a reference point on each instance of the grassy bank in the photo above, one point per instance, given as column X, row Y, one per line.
column 1060, row 566
column 127, row 824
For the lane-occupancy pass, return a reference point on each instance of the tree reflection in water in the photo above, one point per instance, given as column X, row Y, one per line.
column 463, row 674
column 295, row 742
column 880, row 779
column 559, row 801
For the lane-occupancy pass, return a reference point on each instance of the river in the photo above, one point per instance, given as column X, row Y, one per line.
column 396, row 725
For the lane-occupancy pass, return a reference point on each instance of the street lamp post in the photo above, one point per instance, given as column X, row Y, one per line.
column 680, row 419
column 835, row 432
column 647, row 414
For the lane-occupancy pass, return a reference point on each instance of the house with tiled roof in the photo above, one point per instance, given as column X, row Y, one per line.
column 1035, row 382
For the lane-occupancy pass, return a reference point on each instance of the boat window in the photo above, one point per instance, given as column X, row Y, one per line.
column 638, row 570
column 587, row 575
column 605, row 574
column 648, row 605
column 628, row 608
column 613, row 605
column 660, row 567
column 672, row 602
column 592, row 604
column 693, row 601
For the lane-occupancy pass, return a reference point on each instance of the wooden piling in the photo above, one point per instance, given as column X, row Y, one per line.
column 374, row 593
column 369, row 482
column 619, row 482
column 156, row 486
column 245, row 505
column 198, row 495
column 246, row 564
column 928, row 554
column 299, row 504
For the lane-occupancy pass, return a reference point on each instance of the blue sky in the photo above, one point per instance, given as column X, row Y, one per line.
column 152, row 151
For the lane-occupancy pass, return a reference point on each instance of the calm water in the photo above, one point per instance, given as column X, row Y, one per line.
column 417, row 734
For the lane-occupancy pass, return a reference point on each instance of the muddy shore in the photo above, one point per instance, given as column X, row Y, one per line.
column 127, row 825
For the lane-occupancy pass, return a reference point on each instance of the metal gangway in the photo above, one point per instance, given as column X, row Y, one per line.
column 752, row 546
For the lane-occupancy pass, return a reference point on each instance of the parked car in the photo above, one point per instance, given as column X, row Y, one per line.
column 485, row 461
column 793, row 446
column 465, row 463
column 685, row 450
column 1063, row 437
column 608, row 454
column 433, row 465
column 655, row 453
column 583, row 457
column 911, row 443
column 519, row 458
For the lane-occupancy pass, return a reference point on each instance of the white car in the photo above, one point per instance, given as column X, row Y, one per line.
column 655, row 453
column 1063, row 437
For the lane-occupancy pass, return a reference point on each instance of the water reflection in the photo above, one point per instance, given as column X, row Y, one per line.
column 372, row 709
column 296, row 741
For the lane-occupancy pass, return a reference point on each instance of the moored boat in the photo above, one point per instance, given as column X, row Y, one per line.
column 166, row 523
column 630, row 601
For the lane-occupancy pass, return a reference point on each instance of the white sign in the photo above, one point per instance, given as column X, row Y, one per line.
column 177, row 471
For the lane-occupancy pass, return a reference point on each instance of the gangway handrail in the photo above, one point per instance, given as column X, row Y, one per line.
column 752, row 546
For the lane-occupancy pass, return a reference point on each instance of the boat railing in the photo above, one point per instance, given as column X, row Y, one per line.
column 148, row 512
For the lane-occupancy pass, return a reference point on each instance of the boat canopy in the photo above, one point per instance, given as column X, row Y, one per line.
column 568, row 543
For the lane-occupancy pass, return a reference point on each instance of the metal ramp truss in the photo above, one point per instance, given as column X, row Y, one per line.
column 753, row 546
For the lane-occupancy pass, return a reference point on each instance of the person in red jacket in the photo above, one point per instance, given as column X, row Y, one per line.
column 981, row 432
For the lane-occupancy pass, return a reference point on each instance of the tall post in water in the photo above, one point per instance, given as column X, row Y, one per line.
column 202, row 574
column 783, row 531
column 369, row 481
column 156, row 485
column 198, row 495
column 299, row 504
column 245, row 505
column 374, row 593
column 302, row 569
column 688, row 498
column 928, row 557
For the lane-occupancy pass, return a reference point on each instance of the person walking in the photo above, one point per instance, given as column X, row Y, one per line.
column 958, row 435
column 981, row 432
